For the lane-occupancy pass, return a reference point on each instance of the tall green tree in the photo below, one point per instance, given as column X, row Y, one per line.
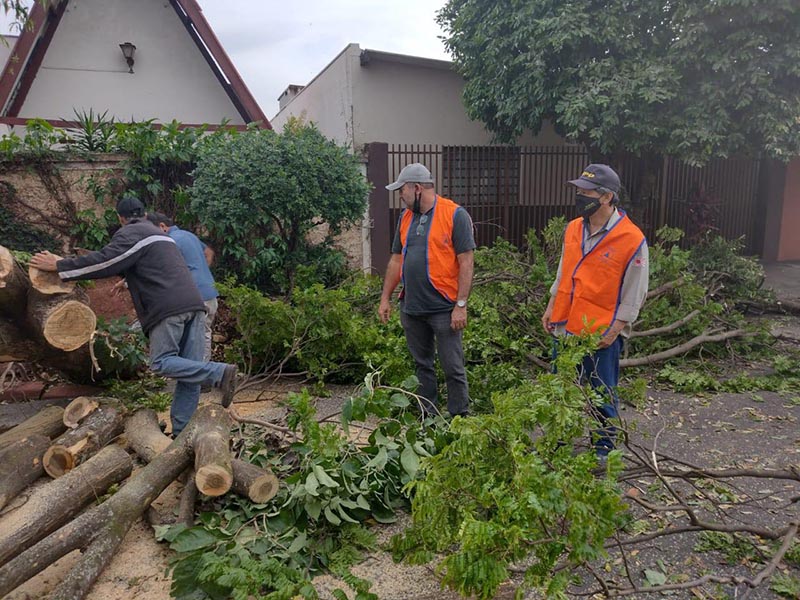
column 692, row 78
column 260, row 194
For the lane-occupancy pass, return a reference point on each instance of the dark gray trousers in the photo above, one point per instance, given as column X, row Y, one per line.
column 425, row 335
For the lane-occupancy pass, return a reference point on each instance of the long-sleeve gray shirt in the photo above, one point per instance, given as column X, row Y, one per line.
column 635, row 282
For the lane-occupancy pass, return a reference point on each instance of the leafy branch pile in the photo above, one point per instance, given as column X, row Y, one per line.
column 337, row 477
column 698, row 295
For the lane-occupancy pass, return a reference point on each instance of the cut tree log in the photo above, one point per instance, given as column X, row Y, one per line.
column 48, row 282
column 76, row 445
column 14, row 285
column 83, row 406
column 53, row 505
column 212, row 458
column 48, row 422
column 146, row 439
column 21, row 465
column 15, row 413
column 101, row 530
column 62, row 323
column 250, row 481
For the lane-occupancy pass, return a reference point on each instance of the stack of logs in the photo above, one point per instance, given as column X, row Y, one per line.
column 84, row 449
column 44, row 319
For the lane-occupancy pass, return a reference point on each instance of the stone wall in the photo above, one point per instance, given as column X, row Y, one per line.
column 47, row 196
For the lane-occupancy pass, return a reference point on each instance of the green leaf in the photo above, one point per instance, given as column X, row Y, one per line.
column 313, row 508
column 324, row 478
column 378, row 462
column 654, row 578
column 332, row 518
column 410, row 461
column 312, row 485
column 362, row 502
column 298, row 544
column 193, row 539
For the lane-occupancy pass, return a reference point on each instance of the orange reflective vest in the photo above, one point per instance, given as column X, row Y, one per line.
column 591, row 283
column 441, row 254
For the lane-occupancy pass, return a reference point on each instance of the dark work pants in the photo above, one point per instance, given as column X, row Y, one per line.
column 425, row 335
column 601, row 371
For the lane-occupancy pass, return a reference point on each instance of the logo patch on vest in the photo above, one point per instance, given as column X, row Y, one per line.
column 608, row 254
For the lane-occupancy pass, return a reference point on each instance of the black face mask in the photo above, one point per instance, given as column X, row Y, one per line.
column 586, row 205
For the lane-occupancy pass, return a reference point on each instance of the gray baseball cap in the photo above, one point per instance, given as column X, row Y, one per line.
column 413, row 173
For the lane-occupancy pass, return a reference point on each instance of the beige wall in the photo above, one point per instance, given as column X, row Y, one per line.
column 326, row 101
column 392, row 102
column 171, row 78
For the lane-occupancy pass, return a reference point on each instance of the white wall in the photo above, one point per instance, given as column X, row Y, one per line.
column 84, row 67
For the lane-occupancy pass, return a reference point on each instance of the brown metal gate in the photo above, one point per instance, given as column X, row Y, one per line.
column 509, row 190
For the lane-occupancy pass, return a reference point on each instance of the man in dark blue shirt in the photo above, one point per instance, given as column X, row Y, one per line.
column 198, row 257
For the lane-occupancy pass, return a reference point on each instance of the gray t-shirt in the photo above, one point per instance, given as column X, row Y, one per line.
column 420, row 297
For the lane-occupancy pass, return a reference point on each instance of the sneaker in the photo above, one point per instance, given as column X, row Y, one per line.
column 227, row 384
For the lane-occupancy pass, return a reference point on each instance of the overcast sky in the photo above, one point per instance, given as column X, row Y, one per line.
column 274, row 43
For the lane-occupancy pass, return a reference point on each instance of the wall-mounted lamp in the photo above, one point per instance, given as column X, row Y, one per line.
column 128, row 51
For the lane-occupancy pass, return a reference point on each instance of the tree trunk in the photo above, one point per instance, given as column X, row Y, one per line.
column 15, row 413
column 48, row 422
column 212, row 457
column 15, row 346
column 62, row 323
column 14, row 285
column 56, row 503
column 21, row 465
column 78, row 444
column 101, row 530
column 146, row 439
column 48, row 282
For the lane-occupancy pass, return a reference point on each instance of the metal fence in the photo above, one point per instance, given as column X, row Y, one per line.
column 508, row 190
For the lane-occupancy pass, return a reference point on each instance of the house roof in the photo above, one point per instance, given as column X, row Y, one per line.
column 28, row 53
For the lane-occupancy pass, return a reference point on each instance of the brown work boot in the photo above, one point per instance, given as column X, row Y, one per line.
column 227, row 384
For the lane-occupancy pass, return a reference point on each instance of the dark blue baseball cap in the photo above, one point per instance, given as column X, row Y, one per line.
column 130, row 206
column 595, row 176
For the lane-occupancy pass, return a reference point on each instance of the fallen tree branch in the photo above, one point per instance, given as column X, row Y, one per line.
column 260, row 422
column 666, row 328
column 703, row 338
column 663, row 289
column 753, row 583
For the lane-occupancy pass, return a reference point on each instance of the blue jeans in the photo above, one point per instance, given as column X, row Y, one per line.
column 176, row 351
column 601, row 371
column 425, row 334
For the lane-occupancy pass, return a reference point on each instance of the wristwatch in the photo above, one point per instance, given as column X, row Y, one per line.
column 461, row 303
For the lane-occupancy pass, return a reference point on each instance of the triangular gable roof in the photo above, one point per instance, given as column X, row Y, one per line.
column 26, row 58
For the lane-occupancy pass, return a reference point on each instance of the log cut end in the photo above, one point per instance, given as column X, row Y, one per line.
column 6, row 265
column 79, row 408
column 263, row 489
column 69, row 326
column 48, row 282
column 58, row 460
column 213, row 480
